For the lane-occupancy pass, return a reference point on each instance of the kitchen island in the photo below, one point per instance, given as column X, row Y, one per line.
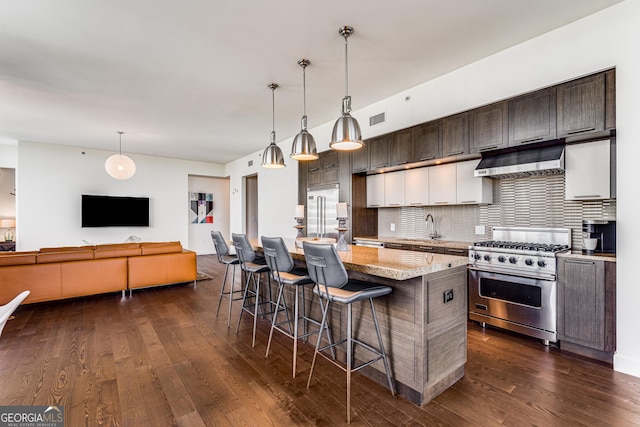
column 424, row 336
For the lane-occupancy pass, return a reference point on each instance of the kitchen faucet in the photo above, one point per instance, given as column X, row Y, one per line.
column 434, row 234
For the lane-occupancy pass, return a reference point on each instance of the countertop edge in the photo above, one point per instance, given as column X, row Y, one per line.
column 593, row 257
column 398, row 274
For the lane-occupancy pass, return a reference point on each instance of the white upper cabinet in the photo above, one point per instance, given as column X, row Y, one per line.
column 588, row 171
column 442, row 184
column 449, row 184
column 416, row 187
column 471, row 189
column 375, row 191
column 394, row 189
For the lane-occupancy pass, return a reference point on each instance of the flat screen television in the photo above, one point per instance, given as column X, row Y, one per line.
column 110, row 211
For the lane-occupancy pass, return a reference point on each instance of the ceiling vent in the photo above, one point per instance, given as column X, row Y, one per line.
column 378, row 118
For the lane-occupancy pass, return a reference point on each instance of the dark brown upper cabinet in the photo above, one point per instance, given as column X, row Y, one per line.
column 379, row 152
column 610, row 101
column 426, row 142
column 568, row 110
column 488, row 127
column 329, row 161
column 360, row 159
column 581, row 106
column 401, row 147
column 324, row 170
column 314, row 172
column 532, row 117
column 455, row 135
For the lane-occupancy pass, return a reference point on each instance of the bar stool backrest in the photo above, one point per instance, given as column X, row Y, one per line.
column 222, row 249
column 276, row 254
column 244, row 250
column 324, row 265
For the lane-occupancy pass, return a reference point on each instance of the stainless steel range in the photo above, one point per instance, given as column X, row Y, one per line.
column 513, row 280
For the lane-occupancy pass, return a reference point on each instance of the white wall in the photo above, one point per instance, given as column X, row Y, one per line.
column 51, row 178
column 200, row 234
column 8, row 156
column 277, row 194
column 603, row 40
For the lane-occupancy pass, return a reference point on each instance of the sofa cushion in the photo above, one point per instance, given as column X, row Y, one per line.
column 65, row 255
column 42, row 280
column 154, row 248
column 117, row 250
column 17, row 258
column 96, row 276
column 67, row 249
column 162, row 269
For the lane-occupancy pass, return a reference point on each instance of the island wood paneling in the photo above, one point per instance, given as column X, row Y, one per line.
column 426, row 339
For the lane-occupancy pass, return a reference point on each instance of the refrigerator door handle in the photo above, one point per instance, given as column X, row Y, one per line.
column 323, row 212
column 318, row 203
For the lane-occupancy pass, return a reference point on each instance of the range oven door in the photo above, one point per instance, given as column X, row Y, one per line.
column 521, row 304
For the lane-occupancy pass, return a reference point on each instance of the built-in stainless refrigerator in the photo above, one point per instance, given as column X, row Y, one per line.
column 322, row 211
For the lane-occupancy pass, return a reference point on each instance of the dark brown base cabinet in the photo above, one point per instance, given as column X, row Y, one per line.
column 586, row 307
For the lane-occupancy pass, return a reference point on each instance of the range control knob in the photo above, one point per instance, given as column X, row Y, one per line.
column 542, row 263
column 528, row 261
column 513, row 260
column 477, row 256
column 487, row 257
column 502, row 258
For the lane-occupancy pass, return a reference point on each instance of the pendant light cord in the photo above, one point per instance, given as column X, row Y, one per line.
column 304, row 91
column 120, row 133
column 346, row 66
column 273, row 87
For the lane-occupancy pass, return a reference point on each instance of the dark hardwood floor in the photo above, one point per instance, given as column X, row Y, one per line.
column 161, row 358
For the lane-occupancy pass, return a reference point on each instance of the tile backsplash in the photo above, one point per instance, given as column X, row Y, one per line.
column 536, row 201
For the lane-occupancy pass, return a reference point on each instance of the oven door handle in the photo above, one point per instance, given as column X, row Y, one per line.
column 549, row 277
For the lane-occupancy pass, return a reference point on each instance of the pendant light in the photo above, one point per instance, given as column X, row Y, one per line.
column 272, row 157
column 346, row 133
column 304, row 146
column 120, row 166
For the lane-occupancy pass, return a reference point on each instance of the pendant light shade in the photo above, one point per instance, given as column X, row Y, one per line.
column 304, row 145
column 272, row 157
column 346, row 133
column 120, row 166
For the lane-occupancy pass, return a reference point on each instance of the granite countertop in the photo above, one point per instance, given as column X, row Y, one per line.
column 389, row 263
column 591, row 256
column 420, row 242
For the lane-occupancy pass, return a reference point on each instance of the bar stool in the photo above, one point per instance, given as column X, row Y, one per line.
column 284, row 272
column 222, row 252
column 333, row 285
column 251, row 266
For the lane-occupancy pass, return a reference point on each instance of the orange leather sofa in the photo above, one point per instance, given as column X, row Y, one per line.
column 72, row 271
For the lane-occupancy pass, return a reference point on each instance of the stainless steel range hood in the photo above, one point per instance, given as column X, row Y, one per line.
column 535, row 161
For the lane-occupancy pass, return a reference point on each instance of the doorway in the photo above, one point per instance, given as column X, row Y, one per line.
column 204, row 188
column 251, row 204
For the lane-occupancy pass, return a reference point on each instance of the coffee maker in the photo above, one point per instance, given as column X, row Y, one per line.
column 604, row 231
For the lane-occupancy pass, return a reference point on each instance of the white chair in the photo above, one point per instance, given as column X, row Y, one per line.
column 7, row 309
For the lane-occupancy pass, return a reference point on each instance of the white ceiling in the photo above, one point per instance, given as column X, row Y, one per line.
column 188, row 79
